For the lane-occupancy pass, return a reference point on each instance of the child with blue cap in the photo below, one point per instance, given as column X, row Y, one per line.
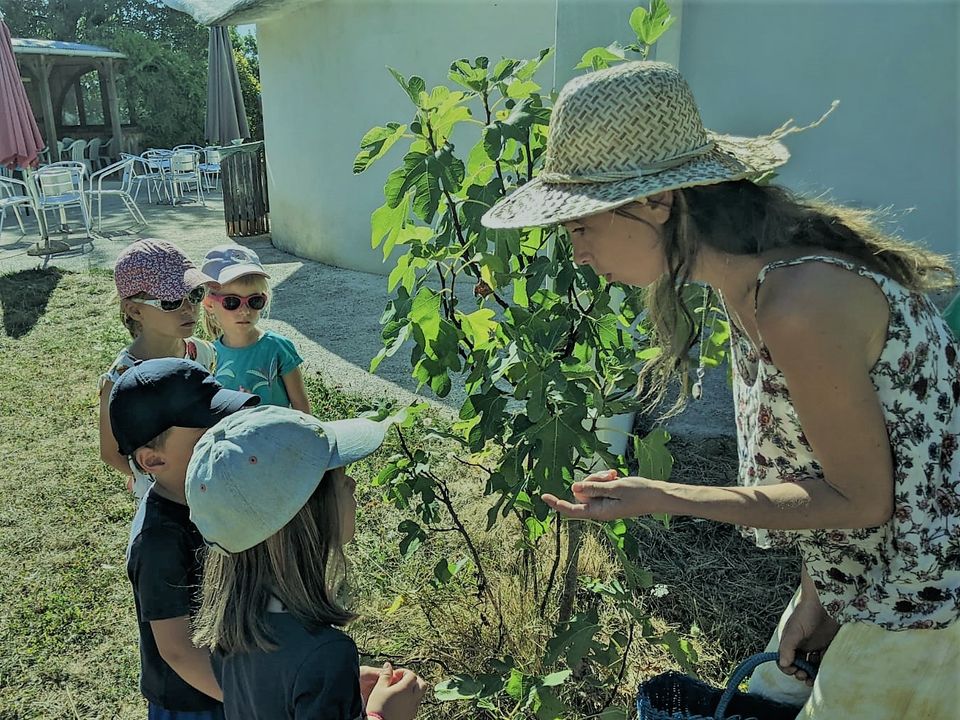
column 158, row 410
column 269, row 491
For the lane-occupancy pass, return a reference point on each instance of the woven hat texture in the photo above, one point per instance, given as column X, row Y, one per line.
column 624, row 133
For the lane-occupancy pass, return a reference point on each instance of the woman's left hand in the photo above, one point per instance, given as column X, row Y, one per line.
column 605, row 496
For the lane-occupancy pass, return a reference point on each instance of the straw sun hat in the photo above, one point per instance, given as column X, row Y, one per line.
column 622, row 134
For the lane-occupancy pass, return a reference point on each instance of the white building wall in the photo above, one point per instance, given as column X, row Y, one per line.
column 752, row 64
column 893, row 141
column 325, row 83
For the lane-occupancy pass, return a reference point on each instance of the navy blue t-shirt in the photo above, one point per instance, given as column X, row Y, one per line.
column 164, row 565
column 310, row 676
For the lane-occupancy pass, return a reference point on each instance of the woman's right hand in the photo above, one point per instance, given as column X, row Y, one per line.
column 397, row 694
column 806, row 634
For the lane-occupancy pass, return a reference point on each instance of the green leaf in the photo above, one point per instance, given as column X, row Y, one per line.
column 413, row 537
column 649, row 26
column 558, row 436
column 615, row 713
column 387, row 222
column 458, row 688
column 574, row 641
column 425, row 315
column 528, row 68
column 554, row 679
column 653, row 459
column 412, row 88
column 480, row 328
column 598, row 57
column 375, row 144
column 514, row 686
column 405, row 177
column 521, row 88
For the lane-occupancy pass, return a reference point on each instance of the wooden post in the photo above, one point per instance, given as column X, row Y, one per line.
column 49, row 120
column 114, row 104
column 104, row 93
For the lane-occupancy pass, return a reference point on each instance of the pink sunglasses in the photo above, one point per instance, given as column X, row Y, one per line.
column 231, row 303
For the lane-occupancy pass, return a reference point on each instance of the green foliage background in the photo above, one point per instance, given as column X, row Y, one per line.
column 164, row 81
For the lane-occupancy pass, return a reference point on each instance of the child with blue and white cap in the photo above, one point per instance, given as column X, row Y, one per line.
column 249, row 358
column 269, row 491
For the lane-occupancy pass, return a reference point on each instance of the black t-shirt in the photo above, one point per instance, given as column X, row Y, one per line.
column 164, row 565
column 310, row 676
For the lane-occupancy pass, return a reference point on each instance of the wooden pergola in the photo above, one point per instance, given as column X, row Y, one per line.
column 53, row 67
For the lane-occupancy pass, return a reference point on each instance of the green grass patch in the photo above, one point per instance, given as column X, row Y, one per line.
column 68, row 638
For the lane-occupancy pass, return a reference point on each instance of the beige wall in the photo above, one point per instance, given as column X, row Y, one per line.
column 325, row 83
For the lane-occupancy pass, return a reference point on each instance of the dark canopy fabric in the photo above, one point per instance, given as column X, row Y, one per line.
column 226, row 114
column 20, row 138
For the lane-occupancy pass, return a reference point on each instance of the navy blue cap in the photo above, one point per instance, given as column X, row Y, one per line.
column 156, row 395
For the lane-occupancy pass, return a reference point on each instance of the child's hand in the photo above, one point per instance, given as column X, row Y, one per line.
column 397, row 694
column 368, row 678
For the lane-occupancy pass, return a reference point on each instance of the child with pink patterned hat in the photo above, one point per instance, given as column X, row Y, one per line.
column 160, row 293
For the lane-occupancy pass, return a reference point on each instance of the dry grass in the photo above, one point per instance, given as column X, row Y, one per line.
column 713, row 579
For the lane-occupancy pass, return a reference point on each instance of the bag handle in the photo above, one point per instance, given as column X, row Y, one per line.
column 747, row 667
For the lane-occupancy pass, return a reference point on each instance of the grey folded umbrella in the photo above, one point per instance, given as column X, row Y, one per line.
column 226, row 114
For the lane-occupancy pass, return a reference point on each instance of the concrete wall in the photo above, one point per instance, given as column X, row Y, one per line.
column 325, row 84
column 752, row 64
column 894, row 67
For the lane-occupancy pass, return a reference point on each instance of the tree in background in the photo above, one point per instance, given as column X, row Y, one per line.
column 163, row 84
column 246, row 54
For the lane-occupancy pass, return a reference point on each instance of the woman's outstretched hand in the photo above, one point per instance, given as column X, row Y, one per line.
column 606, row 496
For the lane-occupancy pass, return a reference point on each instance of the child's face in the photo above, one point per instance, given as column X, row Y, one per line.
column 243, row 318
column 346, row 487
column 177, row 323
column 168, row 463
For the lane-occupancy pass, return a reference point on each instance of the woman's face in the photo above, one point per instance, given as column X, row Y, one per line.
column 623, row 249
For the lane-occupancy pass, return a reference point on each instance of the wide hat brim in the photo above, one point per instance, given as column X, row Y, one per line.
column 542, row 204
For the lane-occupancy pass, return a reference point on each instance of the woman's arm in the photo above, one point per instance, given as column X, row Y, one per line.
column 296, row 390
column 821, row 345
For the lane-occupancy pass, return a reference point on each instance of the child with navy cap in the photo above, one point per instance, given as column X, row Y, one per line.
column 269, row 491
column 158, row 410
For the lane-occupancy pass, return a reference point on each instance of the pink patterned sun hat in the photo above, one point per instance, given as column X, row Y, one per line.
column 157, row 268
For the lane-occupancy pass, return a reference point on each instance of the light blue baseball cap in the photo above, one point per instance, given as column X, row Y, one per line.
column 225, row 263
column 253, row 471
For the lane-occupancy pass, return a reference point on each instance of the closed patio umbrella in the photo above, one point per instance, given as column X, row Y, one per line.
column 20, row 138
column 226, row 114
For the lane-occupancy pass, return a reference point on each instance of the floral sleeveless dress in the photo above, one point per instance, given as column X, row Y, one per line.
column 904, row 574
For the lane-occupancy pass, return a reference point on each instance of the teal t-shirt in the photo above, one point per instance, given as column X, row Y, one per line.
column 258, row 368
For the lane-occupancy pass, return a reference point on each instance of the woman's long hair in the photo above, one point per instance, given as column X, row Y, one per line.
column 743, row 218
column 302, row 565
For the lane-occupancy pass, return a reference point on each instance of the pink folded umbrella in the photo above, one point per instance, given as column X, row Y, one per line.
column 20, row 138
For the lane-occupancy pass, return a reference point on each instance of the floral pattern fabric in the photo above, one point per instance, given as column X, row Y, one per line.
column 904, row 574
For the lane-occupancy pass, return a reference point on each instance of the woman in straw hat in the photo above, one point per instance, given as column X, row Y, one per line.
column 846, row 380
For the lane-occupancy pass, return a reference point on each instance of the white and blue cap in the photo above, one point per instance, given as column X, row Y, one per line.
column 252, row 472
column 225, row 263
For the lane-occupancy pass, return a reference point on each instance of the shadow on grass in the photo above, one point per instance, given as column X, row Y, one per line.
column 24, row 296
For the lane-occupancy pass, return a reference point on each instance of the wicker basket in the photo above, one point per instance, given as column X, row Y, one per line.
column 675, row 696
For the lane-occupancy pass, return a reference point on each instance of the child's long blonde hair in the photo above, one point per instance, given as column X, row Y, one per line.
column 302, row 566
column 247, row 284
